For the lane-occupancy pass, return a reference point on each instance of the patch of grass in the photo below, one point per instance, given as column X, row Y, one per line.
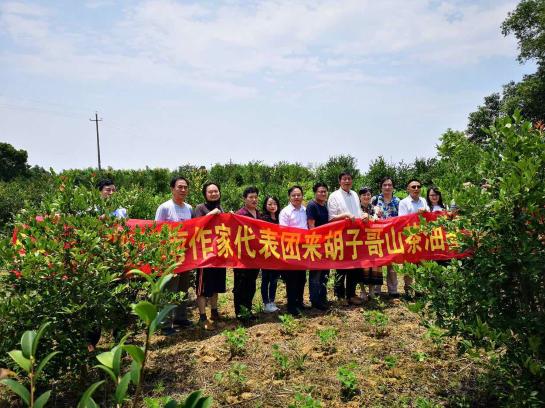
column 349, row 381
column 327, row 338
column 390, row 361
column 304, row 401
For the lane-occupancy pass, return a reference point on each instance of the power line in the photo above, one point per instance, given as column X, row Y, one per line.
column 96, row 120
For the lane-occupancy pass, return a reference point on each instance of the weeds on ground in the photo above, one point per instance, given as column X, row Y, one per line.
column 236, row 341
column 419, row 356
column 304, row 401
column 234, row 379
column 285, row 364
column 349, row 381
column 327, row 338
column 378, row 321
column 289, row 325
column 390, row 361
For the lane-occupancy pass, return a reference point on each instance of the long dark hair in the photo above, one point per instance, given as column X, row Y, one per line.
column 436, row 191
column 265, row 211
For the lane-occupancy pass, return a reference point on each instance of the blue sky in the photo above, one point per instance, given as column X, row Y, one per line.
column 206, row 82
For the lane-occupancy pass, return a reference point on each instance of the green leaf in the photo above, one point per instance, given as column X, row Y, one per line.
column 45, row 361
column 163, row 280
column 145, row 311
column 171, row 404
column 38, row 337
column 17, row 356
column 141, row 274
column 26, row 342
column 86, row 400
column 42, row 400
column 18, row 389
column 121, row 389
column 192, row 399
column 135, row 352
column 159, row 318
column 108, row 371
column 204, row 403
column 107, row 358
column 116, row 363
column 135, row 372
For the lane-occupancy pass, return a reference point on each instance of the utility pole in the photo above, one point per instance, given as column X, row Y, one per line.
column 96, row 120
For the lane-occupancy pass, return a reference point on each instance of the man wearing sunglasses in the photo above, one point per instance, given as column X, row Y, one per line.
column 413, row 203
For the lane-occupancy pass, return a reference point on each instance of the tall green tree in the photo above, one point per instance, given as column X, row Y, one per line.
column 13, row 162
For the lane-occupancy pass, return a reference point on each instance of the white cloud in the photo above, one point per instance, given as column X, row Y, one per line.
column 225, row 48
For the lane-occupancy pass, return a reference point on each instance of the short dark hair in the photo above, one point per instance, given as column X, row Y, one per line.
column 318, row 185
column 365, row 190
column 208, row 184
column 411, row 180
column 276, row 200
column 250, row 190
column 382, row 180
column 293, row 188
column 344, row 173
column 104, row 182
column 176, row 178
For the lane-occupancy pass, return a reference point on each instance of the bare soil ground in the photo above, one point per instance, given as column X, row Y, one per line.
column 402, row 366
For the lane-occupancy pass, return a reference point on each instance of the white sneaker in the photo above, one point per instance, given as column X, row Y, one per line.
column 274, row 307
column 268, row 308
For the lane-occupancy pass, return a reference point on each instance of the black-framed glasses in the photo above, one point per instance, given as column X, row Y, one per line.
column 415, row 187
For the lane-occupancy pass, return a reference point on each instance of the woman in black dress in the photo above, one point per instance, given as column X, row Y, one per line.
column 269, row 277
column 210, row 281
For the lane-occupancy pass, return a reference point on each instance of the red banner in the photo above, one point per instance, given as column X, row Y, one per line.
column 230, row 240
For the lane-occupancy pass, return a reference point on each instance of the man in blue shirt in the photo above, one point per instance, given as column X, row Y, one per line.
column 317, row 215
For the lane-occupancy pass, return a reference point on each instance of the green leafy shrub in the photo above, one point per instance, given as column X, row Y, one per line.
column 378, row 321
column 236, row 341
column 494, row 299
column 304, row 401
column 349, row 381
column 26, row 359
column 327, row 338
column 234, row 379
column 289, row 324
column 70, row 269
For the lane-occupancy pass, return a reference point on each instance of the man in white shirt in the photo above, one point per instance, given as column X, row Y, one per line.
column 413, row 203
column 175, row 210
column 345, row 203
column 294, row 215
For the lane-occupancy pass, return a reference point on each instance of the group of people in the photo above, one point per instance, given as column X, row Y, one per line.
column 343, row 203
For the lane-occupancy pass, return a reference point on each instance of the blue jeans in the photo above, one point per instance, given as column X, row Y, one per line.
column 317, row 286
column 269, row 280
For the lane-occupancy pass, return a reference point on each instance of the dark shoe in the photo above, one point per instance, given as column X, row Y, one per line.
column 355, row 300
column 394, row 295
column 168, row 331
column 183, row 323
column 321, row 306
column 302, row 307
column 214, row 315
column 294, row 312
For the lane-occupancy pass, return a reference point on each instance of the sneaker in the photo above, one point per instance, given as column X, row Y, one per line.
column 268, row 308
column 274, row 307
column 321, row 306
